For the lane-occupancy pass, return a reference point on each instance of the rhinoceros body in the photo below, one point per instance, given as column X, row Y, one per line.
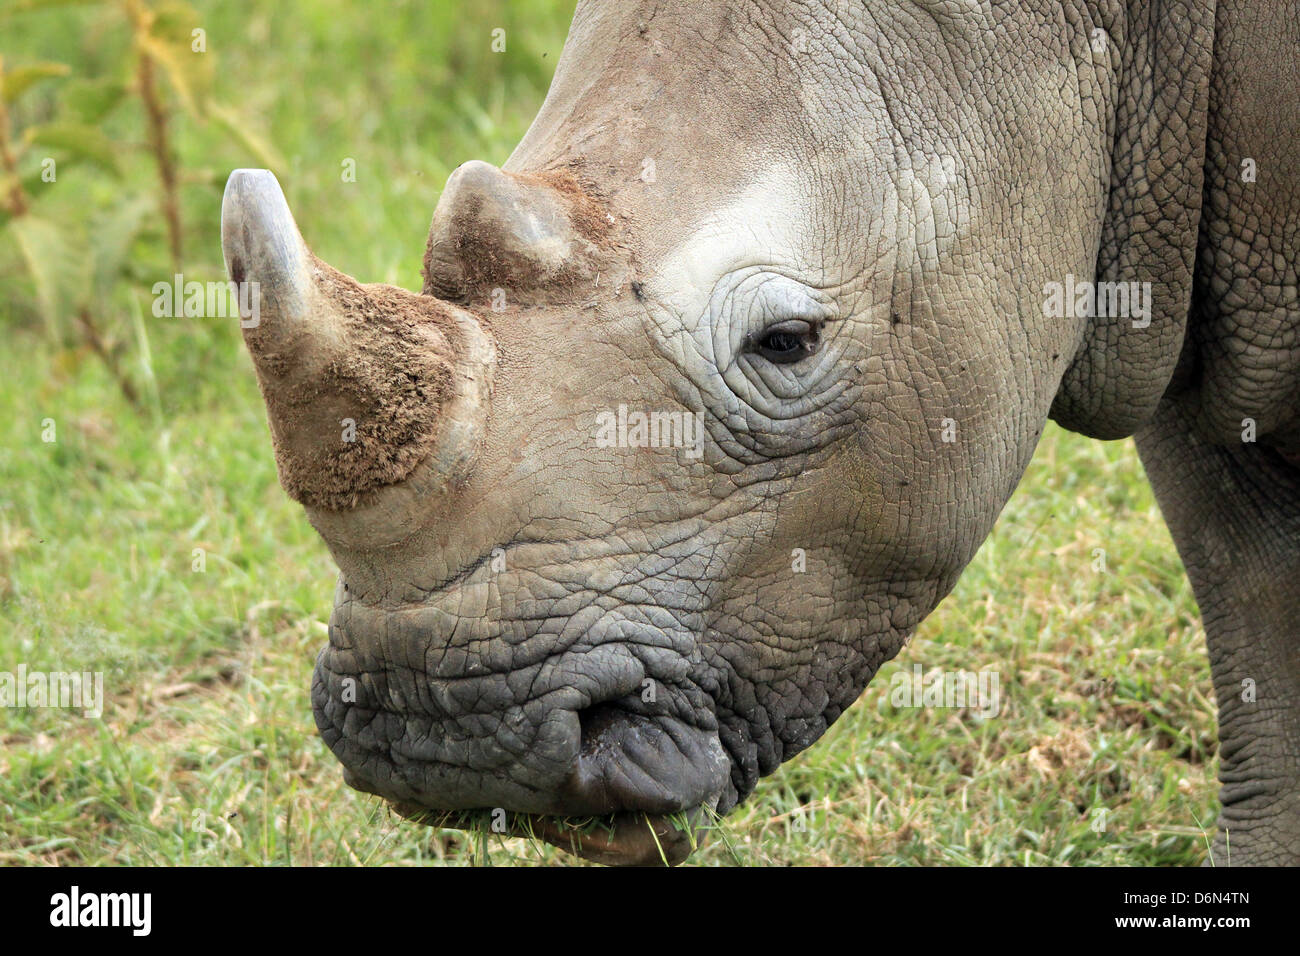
column 775, row 279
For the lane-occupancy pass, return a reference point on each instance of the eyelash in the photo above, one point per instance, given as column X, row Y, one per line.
column 786, row 343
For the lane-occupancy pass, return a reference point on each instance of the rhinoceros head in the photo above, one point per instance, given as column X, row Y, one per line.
column 708, row 397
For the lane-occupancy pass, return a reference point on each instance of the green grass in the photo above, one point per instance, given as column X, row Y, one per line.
column 207, row 752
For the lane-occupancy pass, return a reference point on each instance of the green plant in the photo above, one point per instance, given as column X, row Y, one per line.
column 84, row 270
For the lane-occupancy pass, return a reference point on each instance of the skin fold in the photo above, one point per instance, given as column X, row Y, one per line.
column 532, row 620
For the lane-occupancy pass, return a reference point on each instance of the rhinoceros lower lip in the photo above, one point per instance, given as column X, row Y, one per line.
column 620, row 839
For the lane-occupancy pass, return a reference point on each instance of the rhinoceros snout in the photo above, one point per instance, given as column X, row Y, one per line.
column 556, row 743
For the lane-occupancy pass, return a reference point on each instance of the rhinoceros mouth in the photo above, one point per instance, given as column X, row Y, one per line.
column 619, row 839
column 622, row 801
column 570, row 745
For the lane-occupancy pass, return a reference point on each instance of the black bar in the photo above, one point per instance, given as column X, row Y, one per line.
column 365, row 907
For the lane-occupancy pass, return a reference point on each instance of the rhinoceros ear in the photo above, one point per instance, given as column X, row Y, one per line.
column 1124, row 365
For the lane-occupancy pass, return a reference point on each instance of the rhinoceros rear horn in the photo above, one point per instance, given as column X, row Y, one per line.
column 363, row 384
column 533, row 234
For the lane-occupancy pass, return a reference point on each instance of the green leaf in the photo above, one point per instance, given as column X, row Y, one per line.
column 26, row 6
column 174, row 22
column 169, row 43
column 111, row 234
column 49, row 255
column 79, row 139
column 91, row 100
column 234, row 124
column 33, row 185
column 17, row 81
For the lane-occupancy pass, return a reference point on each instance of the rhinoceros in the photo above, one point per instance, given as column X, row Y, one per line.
column 768, row 279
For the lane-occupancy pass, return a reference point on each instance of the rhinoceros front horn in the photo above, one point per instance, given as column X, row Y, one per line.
column 367, row 387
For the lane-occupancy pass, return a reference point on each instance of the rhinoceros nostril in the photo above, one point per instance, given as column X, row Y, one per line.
column 628, row 762
column 595, row 722
column 624, row 762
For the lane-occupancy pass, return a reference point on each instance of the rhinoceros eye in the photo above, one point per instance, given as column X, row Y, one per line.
column 787, row 342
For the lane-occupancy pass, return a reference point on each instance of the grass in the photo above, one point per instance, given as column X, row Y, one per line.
column 207, row 753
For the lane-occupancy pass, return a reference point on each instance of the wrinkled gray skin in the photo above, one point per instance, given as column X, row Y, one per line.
column 906, row 176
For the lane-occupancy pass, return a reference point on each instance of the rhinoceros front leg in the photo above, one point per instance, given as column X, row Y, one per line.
column 1234, row 513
